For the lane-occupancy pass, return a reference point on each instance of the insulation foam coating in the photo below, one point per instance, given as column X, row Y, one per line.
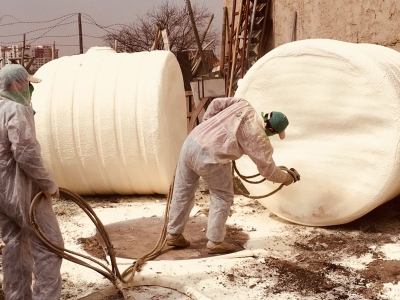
column 111, row 123
column 342, row 102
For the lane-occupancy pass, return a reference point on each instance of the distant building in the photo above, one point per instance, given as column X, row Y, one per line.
column 7, row 53
column 40, row 54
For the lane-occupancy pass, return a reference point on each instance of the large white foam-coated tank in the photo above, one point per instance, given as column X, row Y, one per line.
column 342, row 101
column 111, row 123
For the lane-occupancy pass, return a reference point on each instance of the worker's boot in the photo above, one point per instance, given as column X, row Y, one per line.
column 220, row 248
column 177, row 240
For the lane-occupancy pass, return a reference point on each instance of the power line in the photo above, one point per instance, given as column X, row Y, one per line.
column 31, row 22
column 51, row 36
column 87, row 17
column 3, row 16
column 51, row 27
column 90, row 21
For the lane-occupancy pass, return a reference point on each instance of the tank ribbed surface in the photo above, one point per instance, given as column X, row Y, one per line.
column 342, row 102
column 111, row 122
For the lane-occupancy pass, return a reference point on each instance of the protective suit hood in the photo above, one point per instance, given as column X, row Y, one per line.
column 14, row 84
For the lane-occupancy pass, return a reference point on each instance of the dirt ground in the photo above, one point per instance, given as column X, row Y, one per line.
column 338, row 262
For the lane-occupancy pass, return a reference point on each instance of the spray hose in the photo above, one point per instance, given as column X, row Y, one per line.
column 291, row 171
column 121, row 280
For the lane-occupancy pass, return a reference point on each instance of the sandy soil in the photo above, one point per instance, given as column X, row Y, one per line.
column 359, row 260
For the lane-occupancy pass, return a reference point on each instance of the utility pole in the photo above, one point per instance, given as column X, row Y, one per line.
column 23, row 52
column 80, row 34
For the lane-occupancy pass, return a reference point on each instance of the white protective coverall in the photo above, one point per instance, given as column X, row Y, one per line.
column 231, row 127
column 22, row 176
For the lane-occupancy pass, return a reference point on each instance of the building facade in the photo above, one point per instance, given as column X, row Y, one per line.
column 42, row 55
column 7, row 53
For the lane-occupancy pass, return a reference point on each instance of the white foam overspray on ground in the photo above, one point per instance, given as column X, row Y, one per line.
column 246, row 274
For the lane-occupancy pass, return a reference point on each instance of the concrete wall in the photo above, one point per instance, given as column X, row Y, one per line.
column 357, row 21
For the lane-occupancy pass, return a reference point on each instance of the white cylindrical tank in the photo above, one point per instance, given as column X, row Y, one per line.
column 111, row 123
column 342, row 102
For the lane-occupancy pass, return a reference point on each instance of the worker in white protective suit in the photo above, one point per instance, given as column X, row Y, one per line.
column 231, row 127
column 23, row 175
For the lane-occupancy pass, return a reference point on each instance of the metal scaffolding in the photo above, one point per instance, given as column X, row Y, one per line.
column 249, row 29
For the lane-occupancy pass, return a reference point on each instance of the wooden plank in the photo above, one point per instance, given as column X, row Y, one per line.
column 195, row 113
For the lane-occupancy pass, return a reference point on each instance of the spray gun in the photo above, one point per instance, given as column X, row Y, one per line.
column 295, row 174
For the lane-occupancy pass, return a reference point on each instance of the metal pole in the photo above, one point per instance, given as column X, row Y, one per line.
column 80, row 34
column 196, row 34
column 231, row 32
column 208, row 27
column 23, row 52
column 223, row 41
column 253, row 17
column 293, row 37
column 235, row 50
column 158, row 37
column 203, row 38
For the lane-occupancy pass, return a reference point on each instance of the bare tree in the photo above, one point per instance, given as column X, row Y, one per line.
column 140, row 35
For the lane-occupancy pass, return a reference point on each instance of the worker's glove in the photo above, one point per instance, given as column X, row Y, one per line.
column 289, row 179
column 295, row 174
column 291, row 175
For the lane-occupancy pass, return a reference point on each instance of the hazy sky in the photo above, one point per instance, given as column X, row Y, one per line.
column 44, row 21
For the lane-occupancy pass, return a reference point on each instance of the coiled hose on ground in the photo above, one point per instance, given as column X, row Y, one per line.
column 121, row 280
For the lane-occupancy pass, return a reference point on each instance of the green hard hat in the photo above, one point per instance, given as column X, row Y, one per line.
column 278, row 121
